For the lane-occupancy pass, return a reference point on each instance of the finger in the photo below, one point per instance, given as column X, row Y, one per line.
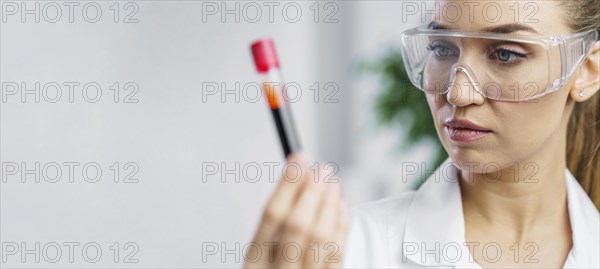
column 341, row 236
column 297, row 228
column 278, row 208
column 322, row 241
column 282, row 201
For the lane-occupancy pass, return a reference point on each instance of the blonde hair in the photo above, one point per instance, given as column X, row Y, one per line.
column 583, row 135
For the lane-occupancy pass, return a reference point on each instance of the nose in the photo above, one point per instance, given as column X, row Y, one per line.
column 462, row 90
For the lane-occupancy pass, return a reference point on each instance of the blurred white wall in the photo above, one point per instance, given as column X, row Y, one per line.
column 178, row 130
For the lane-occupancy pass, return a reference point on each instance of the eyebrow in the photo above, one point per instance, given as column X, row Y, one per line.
column 501, row 29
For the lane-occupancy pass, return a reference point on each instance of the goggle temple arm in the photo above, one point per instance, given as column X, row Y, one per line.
column 574, row 49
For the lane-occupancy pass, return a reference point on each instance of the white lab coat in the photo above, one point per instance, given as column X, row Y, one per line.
column 425, row 228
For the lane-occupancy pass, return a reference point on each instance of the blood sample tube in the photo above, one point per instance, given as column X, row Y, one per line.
column 267, row 65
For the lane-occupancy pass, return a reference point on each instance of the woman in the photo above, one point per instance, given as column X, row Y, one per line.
column 518, row 113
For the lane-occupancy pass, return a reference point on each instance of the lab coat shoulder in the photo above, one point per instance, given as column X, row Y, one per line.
column 370, row 235
column 585, row 224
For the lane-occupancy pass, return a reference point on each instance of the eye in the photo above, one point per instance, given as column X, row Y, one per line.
column 508, row 55
column 441, row 50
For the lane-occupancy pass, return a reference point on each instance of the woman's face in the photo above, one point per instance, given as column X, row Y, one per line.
column 520, row 131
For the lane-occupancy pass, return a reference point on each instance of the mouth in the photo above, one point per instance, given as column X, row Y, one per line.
column 465, row 131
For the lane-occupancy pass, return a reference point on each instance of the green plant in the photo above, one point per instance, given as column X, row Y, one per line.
column 399, row 102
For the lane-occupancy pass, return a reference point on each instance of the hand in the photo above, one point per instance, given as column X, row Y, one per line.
column 305, row 223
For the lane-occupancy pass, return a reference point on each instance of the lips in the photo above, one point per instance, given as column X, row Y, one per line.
column 465, row 131
column 465, row 124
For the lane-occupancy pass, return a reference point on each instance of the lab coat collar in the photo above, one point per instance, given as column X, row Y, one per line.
column 435, row 228
column 432, row 219
column 585, row 224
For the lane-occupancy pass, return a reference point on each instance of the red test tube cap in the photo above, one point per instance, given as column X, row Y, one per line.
column 265, row 55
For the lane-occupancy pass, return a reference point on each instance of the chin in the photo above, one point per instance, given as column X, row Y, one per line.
column 475, row 160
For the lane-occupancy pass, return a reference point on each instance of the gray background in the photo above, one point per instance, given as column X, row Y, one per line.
column 171, row 133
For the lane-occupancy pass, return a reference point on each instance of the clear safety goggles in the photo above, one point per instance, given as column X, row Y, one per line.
column 504, row 67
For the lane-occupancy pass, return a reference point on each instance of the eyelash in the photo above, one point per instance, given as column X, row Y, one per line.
column 495, row 51
column 431, row 46
column 434, row 46
column 519, row 54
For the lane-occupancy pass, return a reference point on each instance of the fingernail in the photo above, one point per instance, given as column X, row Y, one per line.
column 299, row 158
column 294, row 157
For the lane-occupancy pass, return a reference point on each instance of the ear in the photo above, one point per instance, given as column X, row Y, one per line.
column 588, row 79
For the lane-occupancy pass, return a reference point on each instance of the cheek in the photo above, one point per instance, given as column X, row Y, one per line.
column 437, row 103
column 440, row 109
column 526, row 127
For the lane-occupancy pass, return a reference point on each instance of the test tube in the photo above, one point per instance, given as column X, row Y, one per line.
column 267, row 65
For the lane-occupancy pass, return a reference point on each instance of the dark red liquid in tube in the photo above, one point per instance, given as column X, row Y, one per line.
column 267, row 64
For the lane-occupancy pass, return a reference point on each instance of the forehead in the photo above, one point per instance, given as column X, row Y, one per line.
column 546, row 17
